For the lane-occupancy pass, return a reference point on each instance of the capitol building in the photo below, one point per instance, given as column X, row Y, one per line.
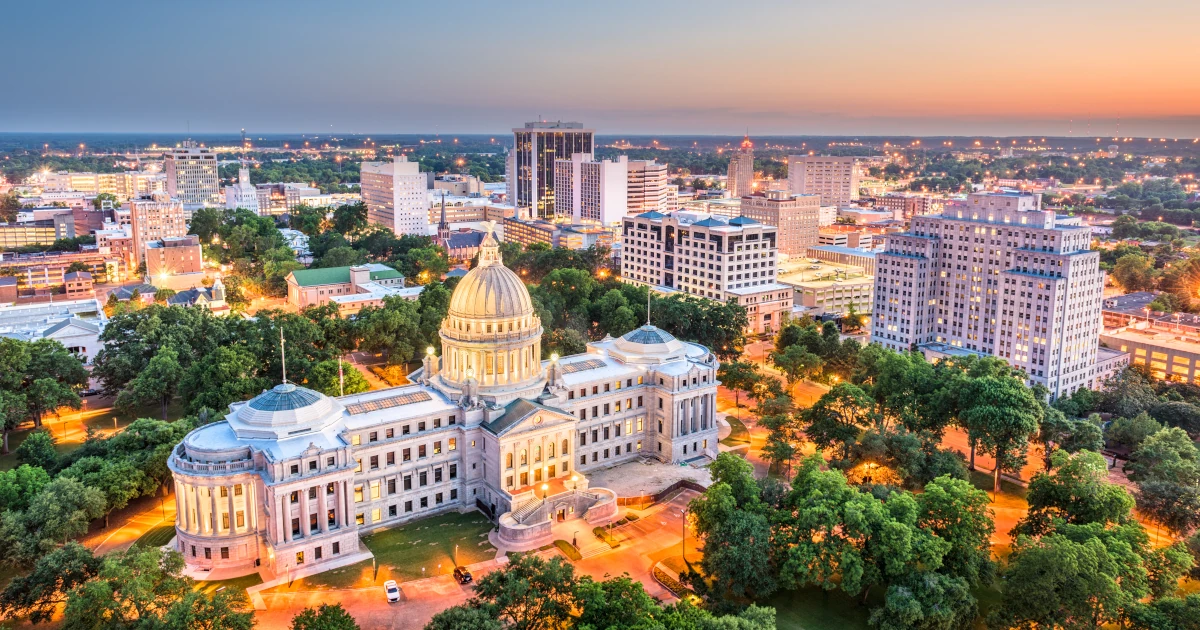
column 290, row 479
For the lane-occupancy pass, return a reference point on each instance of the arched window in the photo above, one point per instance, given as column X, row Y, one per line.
column 524, row 457
column 550, row 450
column 537, row 453
column 510, row 460
column 564, row 451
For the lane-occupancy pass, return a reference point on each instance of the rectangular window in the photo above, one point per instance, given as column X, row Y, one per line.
column 317, row 553
column 640, row 427
column 408, row 482
column 408, row 506
column 329, row 462
column 295, row 469
column 582, row 459
column 359, row 519
column 358, row 494
column 356, row 439
column 437, row 423
column 437, row 475
column 424, row 502
column 453, row 419
column 422, row 479
column 594, row 457
column 208, row 553
column 391, row 433
column 405, row 430
column 374, row 462
column 225, row 521
column 605, row 453
column 376, row 515
column 606, row 433
column 311, row 466
column 583, row 438
column 391, row 511
column 453, row 445
column 420, row 426
column 374, row 436
column 454, row 471
column 421, row 451
column 337, row 548
column 391, row 458
column 358, row 465
column 437, row 498
column 437, row 447
column 241, row 519
column 391, row 486
column 407, row 455
column 453, row 494
column 374, row 489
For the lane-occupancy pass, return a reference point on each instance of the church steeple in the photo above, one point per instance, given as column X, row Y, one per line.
column 443, row 230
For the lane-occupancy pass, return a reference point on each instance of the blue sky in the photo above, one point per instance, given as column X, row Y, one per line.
column 914, row 67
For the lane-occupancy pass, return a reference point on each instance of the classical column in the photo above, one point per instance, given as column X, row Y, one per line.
column 346, row 503
column 337, row 504
column 252, row 506
column 305, row 532
column 232, row 512
column 285, row 517
column 322, row 511
column 205, row 525
column 216, row 522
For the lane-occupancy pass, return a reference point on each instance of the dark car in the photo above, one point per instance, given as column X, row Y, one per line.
column 89, row 392
column 462, row 575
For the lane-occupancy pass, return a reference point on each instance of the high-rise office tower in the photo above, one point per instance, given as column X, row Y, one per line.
column 796, row 216
column 395, row 196
column 835, row 179
column 531, row 174
column 647, row 188
column 741, row 170
column 590, row 191
column 191, row 172
column 999, row 276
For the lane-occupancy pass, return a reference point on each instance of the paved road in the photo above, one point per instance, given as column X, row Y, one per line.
column 643, row 543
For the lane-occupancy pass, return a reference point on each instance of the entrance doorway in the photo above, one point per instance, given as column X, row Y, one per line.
column 562, row 514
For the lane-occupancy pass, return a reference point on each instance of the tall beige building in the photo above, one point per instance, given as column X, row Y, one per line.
column 835, row 179
column 999, row 276
column 647, row 187
column 796, row 216
column 155, row 218
column 395, row 196
column 741, row 170
column 124, row 185
column 191, row 172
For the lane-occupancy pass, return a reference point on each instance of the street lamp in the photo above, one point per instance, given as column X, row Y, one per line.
column 683, row 528
column 574, row 484
column 545, row 490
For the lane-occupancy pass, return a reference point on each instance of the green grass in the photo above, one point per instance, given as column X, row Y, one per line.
column 429, row 542
column 816, row 609
column 983, row 481
column 738, row 435
column 157, row 536
column 568, row 550
column 351, row 576
column 234, row 584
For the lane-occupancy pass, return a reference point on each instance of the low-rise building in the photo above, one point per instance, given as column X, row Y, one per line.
column 76, row 324
column 767, row 306
column 45, row 270
column 528, row 232
column 834, row 296
column 43, row 232
column 845, row 256
column 1169, row 355
column 852, row 240
column 175, row 262
column 315, row 287
column 210, row 298
column 78, row 285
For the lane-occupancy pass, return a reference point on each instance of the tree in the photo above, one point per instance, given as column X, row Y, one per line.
column 1131, row 432
column 324, row 378
column 1134, row 273
column 225, row 375
column 38, row 594
column 1168, row 455
column 1168, row 613
column 529, row 594
column 38, row 450
column 60, row 512
column 45, row 395
column 1072, row 436
column 19, row 485
column 118, row 479
column 1173, row 505
column 464, row 617
column 1127, row 393
column 1076, row 491
column 1001, row 416
column 156, row 384
column 392, row 329
column 98, row 201
column 926, row 601
column 796, row 362
column 957, row 512
column 341, row 257
column 838, row 416
column 739, row 376
column 350, row 219
column 324, row 617
column 224, row 610
column 614, row 604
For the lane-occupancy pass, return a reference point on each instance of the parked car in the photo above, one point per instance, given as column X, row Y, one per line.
column 392, row 591
column 89, row 392
column 462, row 575
column 814, row 266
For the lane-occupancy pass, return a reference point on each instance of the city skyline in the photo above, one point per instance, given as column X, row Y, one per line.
column 872, row 69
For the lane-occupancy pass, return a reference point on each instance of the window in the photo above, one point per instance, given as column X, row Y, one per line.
column 358, row 465
column 311, row 466
column 193, row 551
column 594, row 458
column 329, row 462
column 208, row 553
column 407, row 455
column 437, row 447
column 640, row 428
column 508, row 482
column 374, row 462
column 241, row 519
column 373, row 437
column 358, row 518
column 317, row 553
column 405, row 430
column 454, row 471
column 420, row 426
column 295, row 469
column 329, row 489
column 583, row 438
column 356, row 439
column 639, row 401
column 375, row 489
column 437, row 475
column 358, row 494
column 606, row 411
column 605, row 453
column 421, row 451
column 524, row 479
column 537, row 453
column 437, row 498
column 391, row 433
column 312, row 493
column 606, row 433
column 424, row 502
column 225, row 521
column 437, row 423
column 453, row 494
column 408, row 482
column 564, row 447
column 582, row 459
column 508, row 460
column 524, row 457
column 391, row 458
column 391, row 486
column 408, row 506
column 453, row 445
column 224, row 492
column 337, row 548
column 295, row 497
column 422, row 478
column 376, row 515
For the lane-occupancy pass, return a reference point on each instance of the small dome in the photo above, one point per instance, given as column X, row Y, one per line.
column 287, row 405
column 649, row 342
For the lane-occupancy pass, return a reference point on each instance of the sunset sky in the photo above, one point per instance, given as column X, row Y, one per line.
column 865, row 67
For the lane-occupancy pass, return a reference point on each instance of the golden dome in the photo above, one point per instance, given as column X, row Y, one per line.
column 490, row 290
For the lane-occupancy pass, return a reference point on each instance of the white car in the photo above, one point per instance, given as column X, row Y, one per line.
column 814, row 260
column 392, row 590
column 814, row 266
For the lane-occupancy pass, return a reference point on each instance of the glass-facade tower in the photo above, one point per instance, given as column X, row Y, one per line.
column 536, row 146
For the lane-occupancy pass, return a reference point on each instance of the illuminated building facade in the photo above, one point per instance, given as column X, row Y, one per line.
column 531, row 169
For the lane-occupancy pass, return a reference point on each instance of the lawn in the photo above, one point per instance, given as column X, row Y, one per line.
column 403, row 551
column 816, row 609
column 157, row 537
column 738, row 435
column 234, row 584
